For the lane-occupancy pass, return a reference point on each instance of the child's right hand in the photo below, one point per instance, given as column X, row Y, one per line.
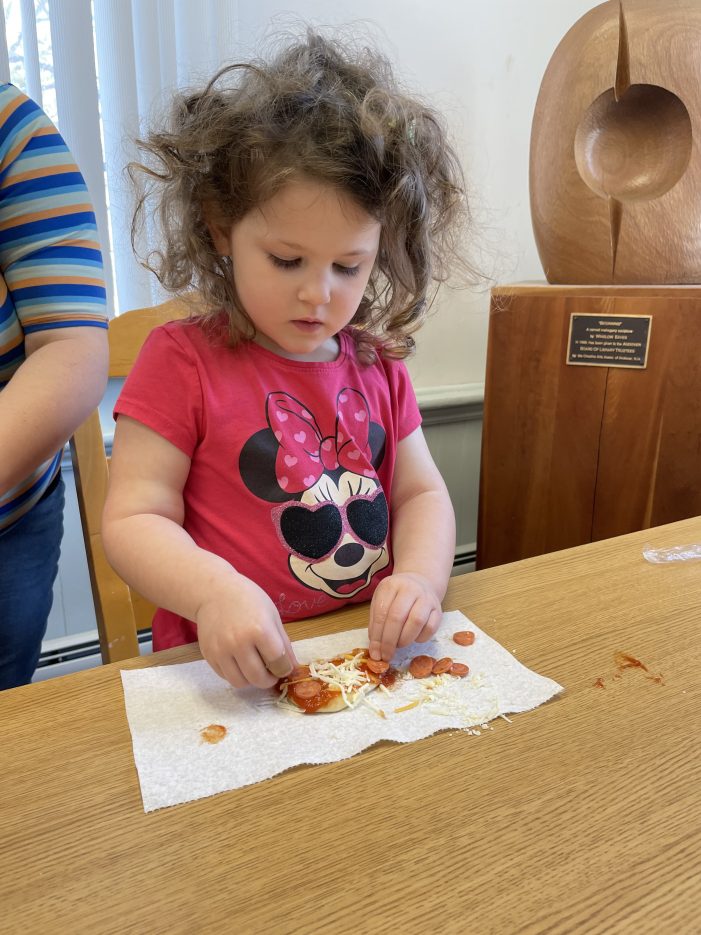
column 242, row 636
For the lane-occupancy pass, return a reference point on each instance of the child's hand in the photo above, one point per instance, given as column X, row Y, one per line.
column 404, row 608
column 242, row 637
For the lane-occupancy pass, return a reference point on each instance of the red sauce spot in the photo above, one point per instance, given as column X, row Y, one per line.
column 599, row 683
column 624, row 661
column 310, row 705
column 213, row 734
column 387, row 678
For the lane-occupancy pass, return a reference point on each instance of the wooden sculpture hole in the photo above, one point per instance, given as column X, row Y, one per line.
column 635, row 148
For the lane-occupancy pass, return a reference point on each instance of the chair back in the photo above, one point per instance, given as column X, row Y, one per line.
column 119, row 610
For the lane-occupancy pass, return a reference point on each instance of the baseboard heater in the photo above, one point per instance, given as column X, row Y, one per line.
column 82, row 650
column 465, row 558
column 76, row 652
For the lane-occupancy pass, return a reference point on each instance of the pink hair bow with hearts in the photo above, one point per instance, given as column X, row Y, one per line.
column 304, row 451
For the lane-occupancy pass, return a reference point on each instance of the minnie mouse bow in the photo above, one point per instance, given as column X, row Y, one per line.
column 305, row 453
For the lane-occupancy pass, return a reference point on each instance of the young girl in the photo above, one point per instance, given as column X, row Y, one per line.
column 268, row 460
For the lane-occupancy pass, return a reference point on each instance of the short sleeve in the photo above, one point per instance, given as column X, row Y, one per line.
column 163, row 390
column 50, row 255
column 408, row 416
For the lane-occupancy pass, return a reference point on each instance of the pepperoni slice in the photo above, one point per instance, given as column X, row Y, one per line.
column 442, row 665
column 459, row 669
column 421, row 666
column 378, row 666
column 299, row 672
column 307, row 690
column 464, row 638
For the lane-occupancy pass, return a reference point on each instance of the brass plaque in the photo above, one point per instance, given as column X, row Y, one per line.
column 609, row 340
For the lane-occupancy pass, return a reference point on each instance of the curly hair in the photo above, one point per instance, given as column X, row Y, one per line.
column 327, row 112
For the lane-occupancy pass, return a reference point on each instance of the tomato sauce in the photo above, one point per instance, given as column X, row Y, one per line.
column 310, row 705
column 213, row 734
column 387, row 678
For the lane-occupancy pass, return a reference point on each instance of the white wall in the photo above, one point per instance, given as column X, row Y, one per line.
column 482, row 62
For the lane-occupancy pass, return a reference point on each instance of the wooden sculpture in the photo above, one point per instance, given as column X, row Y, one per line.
column 615, row 175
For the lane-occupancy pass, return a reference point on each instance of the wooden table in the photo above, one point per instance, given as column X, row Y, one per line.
column 581, row 816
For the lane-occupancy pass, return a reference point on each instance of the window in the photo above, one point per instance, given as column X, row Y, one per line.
column 99, row 70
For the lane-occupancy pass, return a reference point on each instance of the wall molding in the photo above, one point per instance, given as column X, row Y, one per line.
column 457, row 402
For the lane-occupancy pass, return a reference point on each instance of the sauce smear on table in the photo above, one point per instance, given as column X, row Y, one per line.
column 624, row 661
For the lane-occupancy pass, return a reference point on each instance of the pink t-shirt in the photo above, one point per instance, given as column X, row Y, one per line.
column 291, row 462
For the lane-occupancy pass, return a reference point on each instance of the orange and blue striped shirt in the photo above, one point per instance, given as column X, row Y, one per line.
column 50, row 261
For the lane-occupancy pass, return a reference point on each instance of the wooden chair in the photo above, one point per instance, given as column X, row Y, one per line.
column 120, row 612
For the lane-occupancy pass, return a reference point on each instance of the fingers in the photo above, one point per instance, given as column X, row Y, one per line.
column 276, row 651
column 257, row 672
column 260, row 662
column 288, row 647
column 430, row 627
column 214, row 665
column 228, row 669
column 281, row 666
column 378, row 613
column 389, row 609
column 240, row 670
column 416, row 622
column 243, row 638
column 269, row 657
column 403, row 619
column 383, row 619
column 401, row 613
column 400, row 624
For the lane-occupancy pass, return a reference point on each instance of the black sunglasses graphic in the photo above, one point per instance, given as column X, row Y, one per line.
column 312, row 532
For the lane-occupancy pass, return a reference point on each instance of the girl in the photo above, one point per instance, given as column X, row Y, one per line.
column 268, row 459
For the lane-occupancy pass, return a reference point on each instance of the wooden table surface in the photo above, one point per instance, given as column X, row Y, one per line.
column 581, row 816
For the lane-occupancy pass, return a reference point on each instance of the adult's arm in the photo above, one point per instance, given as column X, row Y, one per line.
column 60, row 382
column 53, row 340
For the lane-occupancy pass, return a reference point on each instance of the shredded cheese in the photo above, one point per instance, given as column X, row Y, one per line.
column 408, row 707
column 443, row 695
column 378, row 711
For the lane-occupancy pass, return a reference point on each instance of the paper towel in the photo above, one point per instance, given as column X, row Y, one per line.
column 173, row 711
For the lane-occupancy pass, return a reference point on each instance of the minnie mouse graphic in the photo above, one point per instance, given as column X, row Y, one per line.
column 331, row 514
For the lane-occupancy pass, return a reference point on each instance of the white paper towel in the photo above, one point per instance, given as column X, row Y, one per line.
column 169, row 706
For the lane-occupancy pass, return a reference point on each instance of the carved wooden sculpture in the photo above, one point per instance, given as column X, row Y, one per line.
column 615, row 165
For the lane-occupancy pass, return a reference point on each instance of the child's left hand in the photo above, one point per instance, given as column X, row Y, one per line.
column 404, row 608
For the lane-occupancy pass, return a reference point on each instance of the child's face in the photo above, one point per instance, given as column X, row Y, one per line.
column 301, row 264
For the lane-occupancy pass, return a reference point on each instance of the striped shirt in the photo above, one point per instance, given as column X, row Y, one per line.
column 50, row 260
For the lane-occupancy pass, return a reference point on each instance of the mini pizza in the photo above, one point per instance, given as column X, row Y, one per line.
column 330, row 685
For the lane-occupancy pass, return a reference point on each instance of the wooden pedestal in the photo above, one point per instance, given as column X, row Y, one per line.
column 572, row 454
